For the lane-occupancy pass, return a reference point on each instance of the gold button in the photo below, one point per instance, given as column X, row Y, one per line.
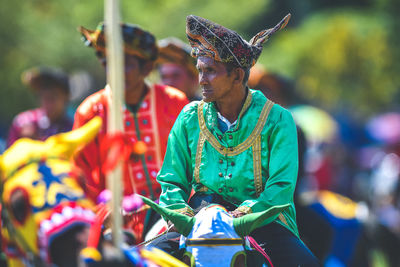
column 230, row 136
column 221, row 161
column 230, row 175
column 220, row 174
column 220, row 190
column 232, row 163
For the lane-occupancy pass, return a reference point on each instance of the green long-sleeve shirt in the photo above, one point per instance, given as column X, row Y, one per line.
column 253, row 166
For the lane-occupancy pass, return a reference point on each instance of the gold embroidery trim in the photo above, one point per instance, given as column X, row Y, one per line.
column 244, row 209
column 234, row 151
column 257, row 165
column 199, row 152
column 202, row 189
column 219, row 244
column 217, row 239
column 186, row 211
column 283, row 219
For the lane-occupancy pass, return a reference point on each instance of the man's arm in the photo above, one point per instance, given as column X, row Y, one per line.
column 283, row 167
column 176, row 172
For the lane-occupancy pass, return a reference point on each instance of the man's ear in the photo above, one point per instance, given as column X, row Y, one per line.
column 147, row 68
column 239, row 75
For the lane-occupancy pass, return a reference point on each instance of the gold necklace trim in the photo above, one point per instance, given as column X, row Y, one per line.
column 253, row 140
column 234, row 151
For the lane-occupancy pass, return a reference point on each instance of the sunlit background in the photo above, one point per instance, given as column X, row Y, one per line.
column 342, row 57
column 342, row 54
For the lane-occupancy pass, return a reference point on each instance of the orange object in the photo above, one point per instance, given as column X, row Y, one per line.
column 139, row 148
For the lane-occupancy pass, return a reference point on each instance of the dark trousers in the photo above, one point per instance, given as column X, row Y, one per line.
column 284, row 248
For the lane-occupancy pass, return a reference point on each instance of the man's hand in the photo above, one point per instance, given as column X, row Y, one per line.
column 237, row 213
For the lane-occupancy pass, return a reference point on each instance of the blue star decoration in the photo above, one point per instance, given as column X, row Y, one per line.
column 49, row 179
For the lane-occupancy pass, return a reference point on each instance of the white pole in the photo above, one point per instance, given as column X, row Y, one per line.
column 115, row 79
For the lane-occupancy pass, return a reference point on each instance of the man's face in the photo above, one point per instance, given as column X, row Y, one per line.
column 134, row 75
column 176, row 76
column 215, row 82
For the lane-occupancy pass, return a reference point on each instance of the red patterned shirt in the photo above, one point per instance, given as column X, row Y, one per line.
column 152, row 122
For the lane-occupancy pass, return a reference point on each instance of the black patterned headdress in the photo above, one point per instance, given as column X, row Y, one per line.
column 213, row 40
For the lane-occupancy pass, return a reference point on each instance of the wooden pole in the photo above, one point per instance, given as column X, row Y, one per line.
column 116, row 81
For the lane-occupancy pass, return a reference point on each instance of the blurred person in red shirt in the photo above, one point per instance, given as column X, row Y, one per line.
column 149, row 112
column 177, row 68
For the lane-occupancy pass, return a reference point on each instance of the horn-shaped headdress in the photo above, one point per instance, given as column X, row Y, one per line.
column 213, row 40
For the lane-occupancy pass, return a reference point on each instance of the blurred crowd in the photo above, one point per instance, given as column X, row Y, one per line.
column 348, row 186
column 348, row 190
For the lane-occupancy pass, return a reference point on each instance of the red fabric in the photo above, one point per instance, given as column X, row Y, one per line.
column 257, row 247
column 95, row 229
column 162, row 103
column 324, row 174
column 113, row 149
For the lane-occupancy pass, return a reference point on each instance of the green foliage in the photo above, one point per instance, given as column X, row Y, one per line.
column 337, row 58
column 341, row 59
column 41, row 33
column 44, row 32
column 168, row 18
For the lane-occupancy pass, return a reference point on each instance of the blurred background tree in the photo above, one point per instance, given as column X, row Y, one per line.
column 342, row 54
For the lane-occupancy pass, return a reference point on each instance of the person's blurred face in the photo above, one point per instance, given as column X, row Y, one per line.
column 215, row 82
column 134, row 72
column 53, row 101
column 177, row 76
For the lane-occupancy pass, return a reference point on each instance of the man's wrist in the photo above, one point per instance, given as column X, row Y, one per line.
column 244, row 209
column 236, row 213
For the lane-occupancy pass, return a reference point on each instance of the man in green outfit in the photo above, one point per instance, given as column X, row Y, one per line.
column 235, row 147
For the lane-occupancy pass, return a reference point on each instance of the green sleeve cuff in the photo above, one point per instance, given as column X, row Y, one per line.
column 247, row 206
